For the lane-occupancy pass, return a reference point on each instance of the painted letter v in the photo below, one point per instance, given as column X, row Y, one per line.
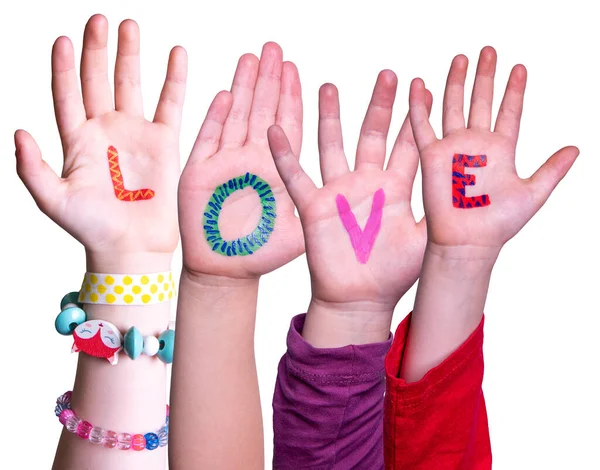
column 362, row 241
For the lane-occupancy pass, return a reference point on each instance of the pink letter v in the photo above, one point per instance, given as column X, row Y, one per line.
column 362, row 241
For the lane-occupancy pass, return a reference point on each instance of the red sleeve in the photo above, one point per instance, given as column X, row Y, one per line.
column 439, row 422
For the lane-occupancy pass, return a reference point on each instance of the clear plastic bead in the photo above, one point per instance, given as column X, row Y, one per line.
column 110, row 439
column 163, row 437
column 96, row 435
column 72, row 423
column 64, row 416
column 124, row 441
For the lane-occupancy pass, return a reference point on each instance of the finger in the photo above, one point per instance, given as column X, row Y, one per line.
column 298, row 184
column 97, row 97
column 289, row 111
column 331, row 147
column 480, row 112
column 208, row 140
column 40, row 180
column 370, row 151
column 266, row 94
column 68, row 103
column 242, row 89
column 511, row 109
column 547, row 177
column 128, row 90
column 419, row 117
column 453, row 115
column 405, row 154
column 170, row 103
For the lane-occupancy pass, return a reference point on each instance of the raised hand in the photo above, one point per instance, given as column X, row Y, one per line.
column 490, row 212
column 363, row 244
column 474, row 203
column 117, row 193
column 236, row 217
column 237, row 222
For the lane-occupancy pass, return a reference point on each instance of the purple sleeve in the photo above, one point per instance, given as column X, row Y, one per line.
column 328, row 405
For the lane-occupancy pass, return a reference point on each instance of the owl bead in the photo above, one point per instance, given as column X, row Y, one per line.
column 70, row 298
column 138, row 442
column 96, row 435
column 109, row 439
column 151, row 345
column 166, row 342
column 84, row 428
column 72, row 423
column 98, row 338
column 151, row 440
column 133, row 343
column 69, row 319
column 124, row 441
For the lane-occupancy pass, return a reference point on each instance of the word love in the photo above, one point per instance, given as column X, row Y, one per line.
column 362, row 240
column 118, row 183
column 248, row 244
column 460, row 180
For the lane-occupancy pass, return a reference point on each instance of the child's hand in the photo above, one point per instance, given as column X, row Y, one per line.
column 480, row 220
column 118, row 187
column 255, row 231
column 358, row 271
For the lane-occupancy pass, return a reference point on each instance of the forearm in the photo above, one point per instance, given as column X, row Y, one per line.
column 333, row 325
column 129, row 397
column 448, row 306
column 216, row 419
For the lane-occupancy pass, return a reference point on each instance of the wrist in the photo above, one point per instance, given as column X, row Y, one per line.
column 464, row 261
column 217, row 290
column 338, row 324
column 127, row 263
column 203, row 281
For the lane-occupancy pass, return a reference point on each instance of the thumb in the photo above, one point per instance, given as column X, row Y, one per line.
column 40, row 180
column 547, row 177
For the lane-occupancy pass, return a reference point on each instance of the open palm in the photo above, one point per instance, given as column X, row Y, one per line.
column 339, row 271
column 508, row 201
column 92, row 199
column 219, row 233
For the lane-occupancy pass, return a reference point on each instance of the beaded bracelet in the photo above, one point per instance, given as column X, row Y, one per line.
column 109, row 439
column 100, row 338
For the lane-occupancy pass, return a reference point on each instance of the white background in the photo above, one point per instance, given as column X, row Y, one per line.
column 542, row 347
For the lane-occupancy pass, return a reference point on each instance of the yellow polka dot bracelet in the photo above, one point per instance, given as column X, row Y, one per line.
column 127, row 289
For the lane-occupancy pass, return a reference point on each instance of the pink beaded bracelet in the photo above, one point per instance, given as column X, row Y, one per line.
column 110, row 439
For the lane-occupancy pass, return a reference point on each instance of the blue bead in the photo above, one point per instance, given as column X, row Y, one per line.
column 59, row 408
column 133, row 342
column 70, row 298
column 167, row 341
column 68, row 320
column 163, row 437
column 151, row 440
